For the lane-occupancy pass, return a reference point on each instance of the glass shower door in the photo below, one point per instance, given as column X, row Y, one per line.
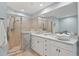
column 15, row 32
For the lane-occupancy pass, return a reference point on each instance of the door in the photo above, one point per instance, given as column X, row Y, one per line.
column 63, row 52
column 37, row 44
column 14, row 32
column 34, row 43
column 54, row 50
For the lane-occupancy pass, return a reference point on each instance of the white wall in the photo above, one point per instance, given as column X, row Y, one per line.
column 68, row 24
column 3, row 9
column 3, row 14
column 56, row 24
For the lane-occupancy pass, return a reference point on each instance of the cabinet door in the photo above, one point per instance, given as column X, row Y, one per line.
column 54, row 50
column 40, row 46
column 63, row 52
column 33, row 43
column 37, row 44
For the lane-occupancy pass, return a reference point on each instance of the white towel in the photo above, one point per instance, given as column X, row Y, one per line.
column 3, row 34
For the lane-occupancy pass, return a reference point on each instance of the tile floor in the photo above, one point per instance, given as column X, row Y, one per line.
column 18, row 52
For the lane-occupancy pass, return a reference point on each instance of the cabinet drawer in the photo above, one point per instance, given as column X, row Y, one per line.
column 34, row 37
column 62, row 45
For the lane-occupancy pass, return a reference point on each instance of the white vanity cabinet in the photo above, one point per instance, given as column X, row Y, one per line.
column 50, row 47
column 34, row 43
column 63, row 49
column 40, row 45
column 58, row 51
column 37, row 44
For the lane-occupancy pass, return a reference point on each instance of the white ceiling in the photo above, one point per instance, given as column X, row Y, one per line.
column 68, row 10
column 28, row 7
column 34, row 7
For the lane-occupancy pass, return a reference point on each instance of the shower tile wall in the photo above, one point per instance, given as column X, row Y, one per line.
column 35, row 24
column 14, row 32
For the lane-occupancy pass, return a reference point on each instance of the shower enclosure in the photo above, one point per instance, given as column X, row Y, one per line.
column 14, row 32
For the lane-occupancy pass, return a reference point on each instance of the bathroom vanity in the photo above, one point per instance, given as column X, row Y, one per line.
column 49, row 45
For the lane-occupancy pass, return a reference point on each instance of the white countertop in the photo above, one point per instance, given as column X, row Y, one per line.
column 71, row 41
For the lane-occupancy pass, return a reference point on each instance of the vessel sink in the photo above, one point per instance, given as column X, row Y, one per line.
column 63, row 37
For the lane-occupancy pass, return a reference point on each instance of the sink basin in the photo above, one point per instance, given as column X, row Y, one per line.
column 47, row 33
column 38, row 32
column 63, row 37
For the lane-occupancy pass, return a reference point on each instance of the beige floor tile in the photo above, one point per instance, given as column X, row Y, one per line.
column 18, row 52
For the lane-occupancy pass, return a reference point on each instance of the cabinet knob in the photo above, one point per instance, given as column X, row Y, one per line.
column 59, row 50
column 56, row 49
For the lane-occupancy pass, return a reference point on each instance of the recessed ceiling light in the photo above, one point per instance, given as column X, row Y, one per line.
column 41, row 4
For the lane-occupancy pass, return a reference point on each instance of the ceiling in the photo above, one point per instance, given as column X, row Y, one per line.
column 28, row 7
column 68, row 10
column 48, row 9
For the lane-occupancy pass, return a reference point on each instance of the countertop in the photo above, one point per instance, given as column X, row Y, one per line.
column 71, row 41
